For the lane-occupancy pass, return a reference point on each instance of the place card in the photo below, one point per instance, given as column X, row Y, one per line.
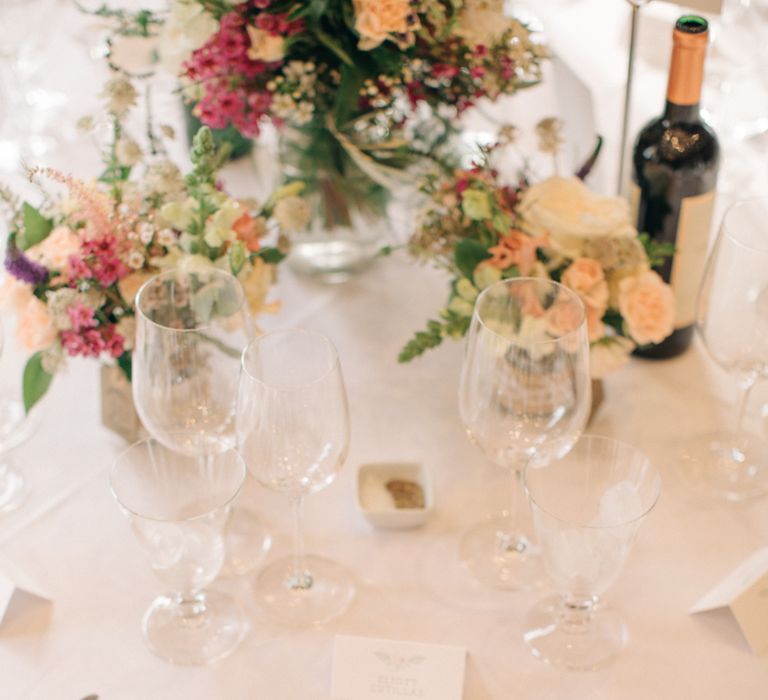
column 17, row 590
column 365, row 668
column 712, row 6
column 745, row 593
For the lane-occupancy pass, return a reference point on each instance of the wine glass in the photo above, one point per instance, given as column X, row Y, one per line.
column 524, row 395
column 587, row 509
column 732, row 320
column 191, row 327
column 15, row 427
column 293, row 431
column 177, row 505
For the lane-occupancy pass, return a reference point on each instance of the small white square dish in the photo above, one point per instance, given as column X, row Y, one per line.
column 394, row 494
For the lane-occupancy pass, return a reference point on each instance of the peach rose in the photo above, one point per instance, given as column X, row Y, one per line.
column 585, row 277
column 265, row 46
column 647, row 305
column 563, row 317
column 375, row 20
column 595, row 325
column 35, row 329
column 516, row 248
column 15, row 294
column 129, row 285
column 54, row 251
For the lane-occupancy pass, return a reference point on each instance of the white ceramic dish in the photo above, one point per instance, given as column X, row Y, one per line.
column 377, row 505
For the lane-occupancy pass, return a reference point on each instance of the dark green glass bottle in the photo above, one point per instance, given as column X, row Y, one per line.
column 675, row 163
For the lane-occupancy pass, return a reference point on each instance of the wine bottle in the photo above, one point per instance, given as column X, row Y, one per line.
column 675, row 163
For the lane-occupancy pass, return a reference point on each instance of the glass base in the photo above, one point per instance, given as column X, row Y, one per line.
column 499, row 558
column 734, row 473
column 565, row 640
column 322, row 594
column 246, row 542
column 194, row 633
column 16, row 425
column 13, row 487
column 332, row 260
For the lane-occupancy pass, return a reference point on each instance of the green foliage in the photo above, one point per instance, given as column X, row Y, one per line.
column 271, row 255
column 613, row 319
column 36, row 227
column 453, row 326
column 656, row 251
column 125, row 363
column 35, row 381
column 468, row 254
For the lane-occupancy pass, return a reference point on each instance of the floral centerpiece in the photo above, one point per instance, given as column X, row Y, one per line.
column 360, row 89
column 75, row 262
column 482, row 230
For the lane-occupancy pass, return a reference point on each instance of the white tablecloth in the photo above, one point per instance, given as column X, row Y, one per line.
column 71, row 537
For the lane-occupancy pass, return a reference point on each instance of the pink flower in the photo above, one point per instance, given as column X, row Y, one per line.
column 81, row 317
column 78, row 269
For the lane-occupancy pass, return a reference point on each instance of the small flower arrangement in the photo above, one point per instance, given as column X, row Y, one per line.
column 75, row 263
column 482, row 231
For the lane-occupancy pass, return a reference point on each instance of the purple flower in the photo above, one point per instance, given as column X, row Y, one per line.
column 21, row 267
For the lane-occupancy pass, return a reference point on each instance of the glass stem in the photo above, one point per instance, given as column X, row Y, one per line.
column 299, row 577
column 576, row 615
column 192, row 608
column 746, row 390
column 513, row 539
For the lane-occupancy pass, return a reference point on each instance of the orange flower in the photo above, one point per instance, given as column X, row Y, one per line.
column 249, row 231
column 516, row 248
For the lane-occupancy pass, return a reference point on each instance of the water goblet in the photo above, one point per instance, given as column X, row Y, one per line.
column 587, row 509
column 524, row 396
column 191, row 328
column 177, row 505
column 732, row 320
column 293, row 431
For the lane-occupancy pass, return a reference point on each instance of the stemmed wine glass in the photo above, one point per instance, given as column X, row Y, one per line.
column 177, row 505
column 191, row 327
column 293, row 431
column 524, row 395
column 732, row 320
column 15, row 427
column 587, row 509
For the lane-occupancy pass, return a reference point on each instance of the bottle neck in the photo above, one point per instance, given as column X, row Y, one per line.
column 681, row 113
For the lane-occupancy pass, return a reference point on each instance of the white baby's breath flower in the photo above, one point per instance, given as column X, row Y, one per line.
column 126, row 327
column 166, row 237
column 135, row 260
column 127, row 151
column 164, row 178
column 120, row 95
column 146, row 232
column 52, row 358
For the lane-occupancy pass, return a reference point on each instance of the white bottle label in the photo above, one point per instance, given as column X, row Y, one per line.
column 690, row 250
column 690, row 254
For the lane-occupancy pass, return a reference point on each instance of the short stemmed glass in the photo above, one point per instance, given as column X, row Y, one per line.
column 191, row 328
column 177, row 505
column 732, row 319
column 293, row 431
column 524, row 395
column 587, row 509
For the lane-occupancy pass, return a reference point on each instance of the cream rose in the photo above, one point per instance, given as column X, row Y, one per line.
column 585, row 277
column 187, row 28
column 572, row 215
column 375, row 20
column 35, row 329
column 647, row 305
column 265, row 46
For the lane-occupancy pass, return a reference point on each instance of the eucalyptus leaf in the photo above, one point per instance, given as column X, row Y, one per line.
column 271, row 255
column 35, row 381
column 36, row 227
column 202, row 303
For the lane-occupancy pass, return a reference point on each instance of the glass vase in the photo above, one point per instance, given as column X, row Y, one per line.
column 348, row 221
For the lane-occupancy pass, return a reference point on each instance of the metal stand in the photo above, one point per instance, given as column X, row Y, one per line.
column 636, row 5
